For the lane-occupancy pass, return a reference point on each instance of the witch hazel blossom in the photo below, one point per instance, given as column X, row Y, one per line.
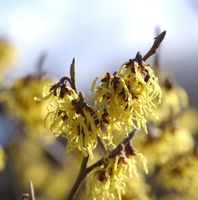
column 126, row 98
column 69, row 115
column 109, row 181
column 114, row 103
column 145, row 89
column 19, row 103
column 119, row 102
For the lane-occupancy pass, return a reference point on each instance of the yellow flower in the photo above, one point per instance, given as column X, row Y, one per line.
column 126, row 98
column 19, row 103
column 109, row 180
column 114, row 102
column 121, row 102
column 70, row 115
column 171, row 142
column 175, row 100
column 144, row 88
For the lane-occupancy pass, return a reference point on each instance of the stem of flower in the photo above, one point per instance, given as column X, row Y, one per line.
column 80, row 179
column 114, row 152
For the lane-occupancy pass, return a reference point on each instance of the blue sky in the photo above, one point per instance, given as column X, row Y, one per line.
column 100, row 34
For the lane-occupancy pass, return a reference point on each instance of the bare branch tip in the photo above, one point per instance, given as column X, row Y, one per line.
column 160, row 37
column 73, row 63
column 156, row 44
column 72, row 67
column 31, row 191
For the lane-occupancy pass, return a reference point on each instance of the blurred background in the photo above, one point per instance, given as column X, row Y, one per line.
column 101, row 35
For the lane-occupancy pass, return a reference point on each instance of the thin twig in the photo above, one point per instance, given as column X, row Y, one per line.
column 114, row 152
column 31, row 191
column 72, row 75
column 40, row 64
column 25, row 196
column 30, row 195
column 157, row 42
column 156, row 62
column 80, row 179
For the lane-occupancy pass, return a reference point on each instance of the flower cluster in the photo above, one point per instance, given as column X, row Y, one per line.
column 114, row 103
column 120, row 102
column 181, row 175
column 19, row 103
column 109, row 180
column 172, row 141
column 174, row 101
column 68, row 113
column 126, row 98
